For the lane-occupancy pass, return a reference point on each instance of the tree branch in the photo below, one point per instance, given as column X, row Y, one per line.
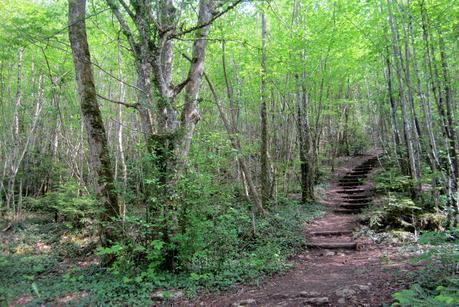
column 124, row 26
column 127, row 9
column 128, row 105
column 178, row 88
column 202, row 25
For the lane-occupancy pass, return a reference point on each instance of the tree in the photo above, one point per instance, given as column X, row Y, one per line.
column 99, row 157
column 265, row 182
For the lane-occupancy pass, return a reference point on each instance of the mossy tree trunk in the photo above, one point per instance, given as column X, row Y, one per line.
column 99, row 157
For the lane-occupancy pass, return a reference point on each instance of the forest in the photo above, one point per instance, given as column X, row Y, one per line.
column 229, row 153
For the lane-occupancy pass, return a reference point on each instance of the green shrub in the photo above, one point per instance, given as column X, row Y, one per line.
column 216, row 245
column 391, row 180
column 67, row 204
column 397, row 212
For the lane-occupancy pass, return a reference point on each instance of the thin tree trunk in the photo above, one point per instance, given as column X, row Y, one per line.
column 236, row 144
column 265, row 186
column 393, row 114
column 405, row 115
column 120, row 125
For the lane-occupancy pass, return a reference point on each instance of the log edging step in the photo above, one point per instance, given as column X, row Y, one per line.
column 358, row 200
column 330, row 233
column 347, row 211
column 354, row 206
column 334, row 245
column 352, row 191
column 356, row 196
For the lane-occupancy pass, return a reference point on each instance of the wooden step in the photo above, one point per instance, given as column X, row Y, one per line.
column 358, row 201
column 330, row 233
column 354, row 177
column 352, row 191
column 359, row 174
column 362, row 169
column 334, row 245
column 346, row 211
column 354, row 206
column 356, row 196
column 357, row 179
column 349, row 184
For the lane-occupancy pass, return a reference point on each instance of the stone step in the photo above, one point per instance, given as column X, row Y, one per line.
column 334, row 245
column 330, row 232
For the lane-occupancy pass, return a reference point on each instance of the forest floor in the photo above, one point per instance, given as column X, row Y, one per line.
column 362, row 273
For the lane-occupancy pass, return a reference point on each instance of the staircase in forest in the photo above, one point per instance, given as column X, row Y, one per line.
column 352, row 195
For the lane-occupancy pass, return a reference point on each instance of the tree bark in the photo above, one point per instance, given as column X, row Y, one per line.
column 304, row 144
column 99, row 157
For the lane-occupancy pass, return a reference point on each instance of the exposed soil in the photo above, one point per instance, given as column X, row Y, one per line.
column 336, row 269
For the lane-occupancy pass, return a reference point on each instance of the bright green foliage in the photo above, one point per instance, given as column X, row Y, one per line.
column 390, row 180
column 331, row 52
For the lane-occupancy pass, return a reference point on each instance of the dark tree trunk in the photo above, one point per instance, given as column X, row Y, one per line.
column 305, row 149
column 99, row 157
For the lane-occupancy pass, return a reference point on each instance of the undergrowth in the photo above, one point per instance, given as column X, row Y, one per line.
column 437, row 283
column 42, row 262
column 398, row 210
column 402, row 216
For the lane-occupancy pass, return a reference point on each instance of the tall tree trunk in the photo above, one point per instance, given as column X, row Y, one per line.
column 393, row 114
column 416, row 131
column 441, row 100
column 424, row 98
column 99, row 157
column 119, row 133
column 265, row 185
column 190, row 114
column 304, row 143
column 406, row 119
column 452, row 158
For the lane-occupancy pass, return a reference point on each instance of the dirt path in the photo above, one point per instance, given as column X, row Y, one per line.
column 336, row 270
